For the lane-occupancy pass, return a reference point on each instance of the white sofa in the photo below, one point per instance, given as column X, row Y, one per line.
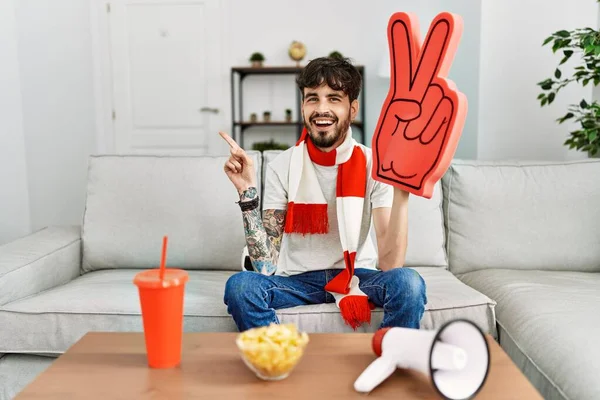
column 523, row 235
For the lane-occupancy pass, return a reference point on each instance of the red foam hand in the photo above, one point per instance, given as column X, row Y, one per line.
column 423, row 115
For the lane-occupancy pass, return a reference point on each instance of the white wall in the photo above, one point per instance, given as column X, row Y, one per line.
column 14, row 197
column 47, row 127
column 356, row 28
column 511, row 122
column 55, row 57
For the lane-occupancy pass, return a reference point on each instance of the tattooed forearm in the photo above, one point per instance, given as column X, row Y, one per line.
column 256, row 237
column 274, row 221
column 264, row 238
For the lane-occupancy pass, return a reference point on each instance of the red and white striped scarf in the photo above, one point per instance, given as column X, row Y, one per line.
column 307, row 213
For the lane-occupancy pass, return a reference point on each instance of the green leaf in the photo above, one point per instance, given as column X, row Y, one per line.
column 592, row 136
column 566, row 117
column 583, row 104
column 551, row 97
column 563, row 33
column 588, row 124
column 585, row 82
column 589, row 49
column 557, row 73
column 568, row 53
column 547, row 86
column 544, row 101
column 548, row 39
column 556, row 46
column 540, row 96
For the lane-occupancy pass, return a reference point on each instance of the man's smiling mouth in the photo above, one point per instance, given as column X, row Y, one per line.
column 320, row 122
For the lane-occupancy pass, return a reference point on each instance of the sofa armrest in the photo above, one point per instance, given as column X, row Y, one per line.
column 40, row 261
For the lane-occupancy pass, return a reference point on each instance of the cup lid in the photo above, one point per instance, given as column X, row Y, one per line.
column 151, row 278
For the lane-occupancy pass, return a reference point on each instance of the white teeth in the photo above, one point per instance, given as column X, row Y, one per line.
column 323, row 122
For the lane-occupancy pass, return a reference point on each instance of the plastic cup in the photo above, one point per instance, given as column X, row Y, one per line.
column 162, row 314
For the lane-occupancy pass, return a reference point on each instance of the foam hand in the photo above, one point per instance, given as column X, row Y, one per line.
column 423, row 115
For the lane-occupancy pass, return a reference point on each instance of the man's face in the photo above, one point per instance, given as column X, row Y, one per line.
column 327, row 114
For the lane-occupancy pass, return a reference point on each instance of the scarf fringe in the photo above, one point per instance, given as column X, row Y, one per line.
column 306, row 218
column 355, row 310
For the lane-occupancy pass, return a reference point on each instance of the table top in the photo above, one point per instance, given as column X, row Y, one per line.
column 113, row 365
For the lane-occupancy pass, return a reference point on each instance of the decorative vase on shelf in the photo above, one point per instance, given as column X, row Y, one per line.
column 297, row 51
column 253, row 117
column 288, row 115
column 267, row 116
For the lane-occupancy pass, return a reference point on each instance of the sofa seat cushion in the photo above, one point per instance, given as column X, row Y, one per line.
column 549, row 325
column 447, row 299
column 107, row 300
column 19, row 370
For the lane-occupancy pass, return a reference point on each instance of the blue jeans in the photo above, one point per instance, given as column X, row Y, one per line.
column 252, row 298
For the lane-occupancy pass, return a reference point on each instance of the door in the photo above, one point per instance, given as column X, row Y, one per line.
column 166, row 87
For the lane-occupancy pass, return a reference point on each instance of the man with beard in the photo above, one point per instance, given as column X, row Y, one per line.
column 312, row 244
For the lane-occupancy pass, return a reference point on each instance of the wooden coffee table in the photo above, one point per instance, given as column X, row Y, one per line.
column 113, row 365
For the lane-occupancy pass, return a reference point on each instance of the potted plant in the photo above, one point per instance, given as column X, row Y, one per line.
column 267, row 116
column 583, row 43
column 288, row 115
column 336, row 54
column 257, row 59
column 253, row 117
column 269, row 145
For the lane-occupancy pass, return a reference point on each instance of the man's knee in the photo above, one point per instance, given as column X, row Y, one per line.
column 241, row 286
column 407, row 284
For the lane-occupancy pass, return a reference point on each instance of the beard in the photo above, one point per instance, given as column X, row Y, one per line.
column 327, row 136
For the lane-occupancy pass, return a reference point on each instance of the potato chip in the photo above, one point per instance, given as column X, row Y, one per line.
column 272, row 351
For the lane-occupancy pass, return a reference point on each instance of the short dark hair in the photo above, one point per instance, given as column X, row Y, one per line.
column 338, row 73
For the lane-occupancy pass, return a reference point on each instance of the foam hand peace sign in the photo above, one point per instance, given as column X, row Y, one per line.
column 423, row 115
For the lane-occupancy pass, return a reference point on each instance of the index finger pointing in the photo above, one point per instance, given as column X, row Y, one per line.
column 229, row 141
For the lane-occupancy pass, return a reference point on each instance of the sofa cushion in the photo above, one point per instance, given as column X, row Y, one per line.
column 19, row 370
column 549, row 324
column 133, row 201
column 426, row 244
column 107, row 300
column 526, row 216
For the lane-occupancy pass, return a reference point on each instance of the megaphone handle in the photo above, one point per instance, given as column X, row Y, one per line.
column 375, row 373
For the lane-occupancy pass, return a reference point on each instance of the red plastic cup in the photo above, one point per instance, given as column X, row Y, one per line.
column 162, row 314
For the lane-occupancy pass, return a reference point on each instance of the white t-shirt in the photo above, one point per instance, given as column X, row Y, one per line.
column 300, row 253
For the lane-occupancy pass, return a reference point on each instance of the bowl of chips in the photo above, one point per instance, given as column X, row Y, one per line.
column 273, row 351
